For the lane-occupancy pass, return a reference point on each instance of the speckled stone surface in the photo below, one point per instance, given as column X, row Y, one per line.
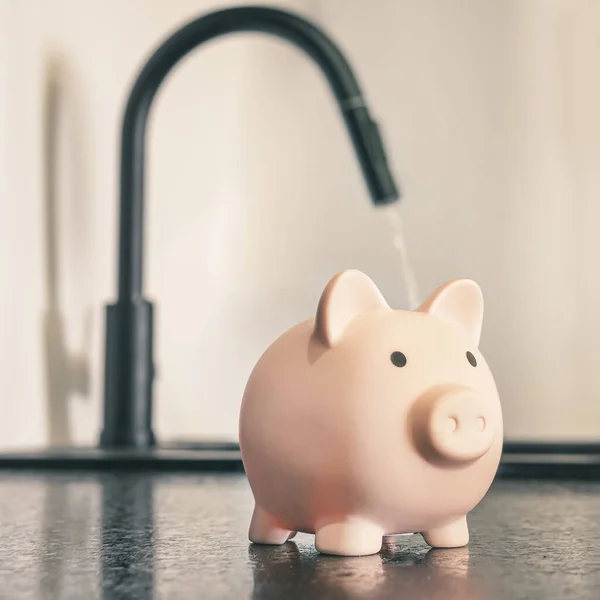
column 132, row 536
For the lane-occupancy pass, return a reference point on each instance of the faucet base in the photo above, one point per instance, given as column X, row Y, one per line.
column 129, row 375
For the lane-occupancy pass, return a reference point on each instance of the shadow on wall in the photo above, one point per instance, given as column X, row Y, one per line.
column 66, row 373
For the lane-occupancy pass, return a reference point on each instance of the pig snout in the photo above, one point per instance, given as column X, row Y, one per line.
column 452, row 425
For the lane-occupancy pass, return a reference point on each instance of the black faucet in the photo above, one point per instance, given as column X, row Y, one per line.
column 129, row 367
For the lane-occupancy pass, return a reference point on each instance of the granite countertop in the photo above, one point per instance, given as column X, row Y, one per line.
column 132, row 536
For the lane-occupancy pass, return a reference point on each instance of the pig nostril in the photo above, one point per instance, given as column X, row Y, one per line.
column 452, row 424
column 480, row 423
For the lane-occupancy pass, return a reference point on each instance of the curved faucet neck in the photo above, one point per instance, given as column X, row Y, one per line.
column 363, row 131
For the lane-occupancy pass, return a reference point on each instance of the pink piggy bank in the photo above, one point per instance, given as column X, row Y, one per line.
column 366, row 421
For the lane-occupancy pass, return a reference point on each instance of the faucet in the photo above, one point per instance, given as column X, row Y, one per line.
column 129, row 364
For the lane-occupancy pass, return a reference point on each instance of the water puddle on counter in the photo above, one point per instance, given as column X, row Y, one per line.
column 392, row 214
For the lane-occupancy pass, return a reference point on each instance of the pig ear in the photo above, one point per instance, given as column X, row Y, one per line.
column 459, row 303
column 349, row 294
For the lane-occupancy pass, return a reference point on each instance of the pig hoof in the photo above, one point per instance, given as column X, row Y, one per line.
column 265, row 529
column 351, row 538
column 453, row 535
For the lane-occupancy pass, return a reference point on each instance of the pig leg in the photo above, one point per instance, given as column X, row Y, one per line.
column 265, row 529
column 352, row 537
column 453, row 535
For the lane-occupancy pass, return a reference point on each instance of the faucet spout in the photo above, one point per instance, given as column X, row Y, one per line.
column 129, row 368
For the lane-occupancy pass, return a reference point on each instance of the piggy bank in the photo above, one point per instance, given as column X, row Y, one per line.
column 366, row 421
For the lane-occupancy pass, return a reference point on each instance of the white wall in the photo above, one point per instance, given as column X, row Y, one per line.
column 490, row 114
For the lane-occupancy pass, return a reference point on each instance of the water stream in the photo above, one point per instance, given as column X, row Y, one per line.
column 407, row 274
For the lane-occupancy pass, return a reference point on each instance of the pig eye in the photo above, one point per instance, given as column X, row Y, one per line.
column 398, row 359
column 471, row 359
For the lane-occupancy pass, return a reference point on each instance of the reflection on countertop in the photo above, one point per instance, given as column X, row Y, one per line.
column 134, row 535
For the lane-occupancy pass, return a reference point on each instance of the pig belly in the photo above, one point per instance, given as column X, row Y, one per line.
column 307, row 491
column 304, row 502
